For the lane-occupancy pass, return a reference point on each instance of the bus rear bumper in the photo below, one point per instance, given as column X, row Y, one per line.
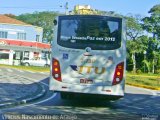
column 116, row 90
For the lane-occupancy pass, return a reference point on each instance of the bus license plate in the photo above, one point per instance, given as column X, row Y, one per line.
column 86, row 81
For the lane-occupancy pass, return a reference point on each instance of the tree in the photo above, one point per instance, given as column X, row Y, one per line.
column 134, row 30
column 10, row 15
column 152, row 25
column 41, row 19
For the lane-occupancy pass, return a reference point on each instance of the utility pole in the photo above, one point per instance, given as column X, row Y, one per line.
column 66, row 8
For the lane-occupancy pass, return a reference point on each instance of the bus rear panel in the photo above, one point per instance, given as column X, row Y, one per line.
column 88, row 56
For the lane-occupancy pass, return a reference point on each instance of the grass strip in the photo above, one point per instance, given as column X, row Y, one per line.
column 145, row 81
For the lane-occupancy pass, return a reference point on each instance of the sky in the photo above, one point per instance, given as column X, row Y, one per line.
column 123, row 7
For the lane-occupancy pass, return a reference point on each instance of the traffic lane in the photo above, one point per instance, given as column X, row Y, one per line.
column 36, row 76
column 87, row 105
column 148, row 109
column 133, row 94
column 90, row 107
column 139, row 101
column 131, row 103
column 44, row 76
column 136, row 108
column 59, row 106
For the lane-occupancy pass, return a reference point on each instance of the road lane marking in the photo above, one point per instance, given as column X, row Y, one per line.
column 44, row 84
column 54, row 95
column 20, row 71
column 30, row 71
column 154, row 93
column 45, row 100
column 42, row 72
column 9, row 70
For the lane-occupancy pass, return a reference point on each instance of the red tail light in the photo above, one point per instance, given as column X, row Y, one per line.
column 118, row 75
column 56, row 71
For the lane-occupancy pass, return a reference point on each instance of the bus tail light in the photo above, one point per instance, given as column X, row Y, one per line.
column 56, row 71
column 118, row 74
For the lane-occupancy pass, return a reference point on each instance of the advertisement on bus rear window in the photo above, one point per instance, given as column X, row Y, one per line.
column 96, row 33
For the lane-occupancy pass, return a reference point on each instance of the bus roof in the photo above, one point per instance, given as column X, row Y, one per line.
column 118, row 17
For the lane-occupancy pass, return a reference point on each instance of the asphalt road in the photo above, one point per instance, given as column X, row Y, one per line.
column 138, row 103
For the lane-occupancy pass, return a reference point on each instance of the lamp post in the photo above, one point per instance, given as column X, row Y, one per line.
column 144, row 59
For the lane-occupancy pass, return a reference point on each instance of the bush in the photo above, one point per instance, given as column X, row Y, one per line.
column 157, row 71
column 138, row 71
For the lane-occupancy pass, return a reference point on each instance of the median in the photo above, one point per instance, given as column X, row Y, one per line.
column 144, row 81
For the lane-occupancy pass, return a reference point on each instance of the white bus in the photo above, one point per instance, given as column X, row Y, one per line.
column 88, row 56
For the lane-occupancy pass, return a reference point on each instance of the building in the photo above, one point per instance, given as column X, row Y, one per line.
column 19, row 41
column 84, row 9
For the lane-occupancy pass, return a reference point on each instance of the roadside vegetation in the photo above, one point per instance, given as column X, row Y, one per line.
column 150, row 81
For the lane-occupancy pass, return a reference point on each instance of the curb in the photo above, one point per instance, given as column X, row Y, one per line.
column 143, row 86
column 25, row 100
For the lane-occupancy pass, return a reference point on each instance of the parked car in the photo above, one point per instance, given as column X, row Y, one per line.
column 36, row 62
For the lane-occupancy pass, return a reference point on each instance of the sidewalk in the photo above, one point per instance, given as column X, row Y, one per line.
column 15, row 90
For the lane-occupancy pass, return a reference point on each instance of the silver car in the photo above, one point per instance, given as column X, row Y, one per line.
column 36, row 62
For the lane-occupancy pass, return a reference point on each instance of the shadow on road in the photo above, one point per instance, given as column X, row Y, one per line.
column 132, row 106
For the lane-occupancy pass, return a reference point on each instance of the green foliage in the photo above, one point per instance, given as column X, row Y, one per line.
column 134, row 28
column 41, row 19
column 138, row 71
column 137, row 42
column 147, row 81
column 147, row 65
column 155, row 9
column 158, row 71
column 151, row 24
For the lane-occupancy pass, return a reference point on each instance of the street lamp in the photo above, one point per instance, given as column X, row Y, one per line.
column 144, row 59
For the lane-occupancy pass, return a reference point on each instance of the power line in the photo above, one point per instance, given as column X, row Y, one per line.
column 9, row 7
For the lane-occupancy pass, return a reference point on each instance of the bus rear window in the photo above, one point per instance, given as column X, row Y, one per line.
column 98, row 33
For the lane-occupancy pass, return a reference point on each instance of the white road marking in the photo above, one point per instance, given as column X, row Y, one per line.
column 44, row 84
column 30, row 71
column 54, row 95
column 154, row 93
column 42, row 72
column 9, row 70
column 20, row 71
